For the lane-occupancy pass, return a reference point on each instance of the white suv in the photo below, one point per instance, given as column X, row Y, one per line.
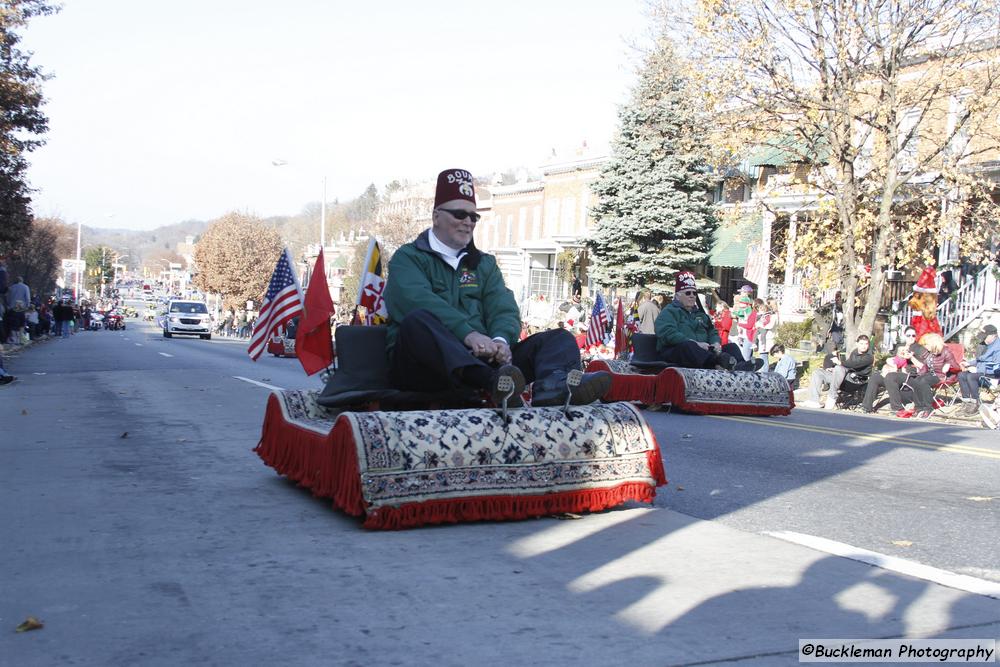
column 189, row 318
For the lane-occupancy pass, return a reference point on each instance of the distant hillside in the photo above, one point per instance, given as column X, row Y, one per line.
column 138, row 244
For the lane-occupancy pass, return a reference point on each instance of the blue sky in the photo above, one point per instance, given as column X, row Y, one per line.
column 166, row 111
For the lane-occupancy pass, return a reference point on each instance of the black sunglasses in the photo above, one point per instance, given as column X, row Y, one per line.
column 910, row 335
column 687, row 293
column 460, row 214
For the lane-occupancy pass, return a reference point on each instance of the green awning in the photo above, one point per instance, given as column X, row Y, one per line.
column 731, row 241
column 786, row 150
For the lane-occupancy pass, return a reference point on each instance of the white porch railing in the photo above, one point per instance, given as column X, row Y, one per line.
column 962, row 307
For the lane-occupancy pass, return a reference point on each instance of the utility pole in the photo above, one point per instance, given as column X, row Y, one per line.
column 76, row 283
column 322, row 218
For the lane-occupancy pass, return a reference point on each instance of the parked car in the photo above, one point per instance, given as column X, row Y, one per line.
column 188, row 318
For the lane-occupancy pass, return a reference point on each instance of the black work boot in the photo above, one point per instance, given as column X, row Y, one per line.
column 362, row 373
column 552, row 389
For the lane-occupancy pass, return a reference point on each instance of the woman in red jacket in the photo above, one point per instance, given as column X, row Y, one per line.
column 723, row 321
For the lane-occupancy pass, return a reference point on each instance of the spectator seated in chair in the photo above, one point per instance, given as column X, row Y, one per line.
column 985, row 366
column 784, row 365
column 901, row 368
column 855, row 370
column 686, row 336
column 933, row 367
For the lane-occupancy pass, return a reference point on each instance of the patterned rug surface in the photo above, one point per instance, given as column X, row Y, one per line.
column 440, row 455
column 713, row 386
column 725, row 392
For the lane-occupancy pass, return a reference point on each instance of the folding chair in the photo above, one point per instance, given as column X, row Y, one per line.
column 952, row 398
column 852, row 391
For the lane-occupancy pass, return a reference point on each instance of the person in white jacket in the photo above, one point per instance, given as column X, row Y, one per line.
column 767, row 323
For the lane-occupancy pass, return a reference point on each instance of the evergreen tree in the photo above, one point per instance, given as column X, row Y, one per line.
column 22, row 122
column 653, row 215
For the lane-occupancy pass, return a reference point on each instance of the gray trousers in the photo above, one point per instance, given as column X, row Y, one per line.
column 826, row 376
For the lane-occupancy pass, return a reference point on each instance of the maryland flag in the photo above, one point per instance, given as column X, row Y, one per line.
column 370, row 292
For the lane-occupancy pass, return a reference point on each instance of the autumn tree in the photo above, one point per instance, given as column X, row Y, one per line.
column 22, row 122
column 35, row 257
column 891, row 102
column 236, row 257
column 653, row 215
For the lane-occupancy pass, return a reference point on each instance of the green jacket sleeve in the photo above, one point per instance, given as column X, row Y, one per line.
column 503, row 317
column 713, row 333
column 668, row 330
column 409, row 288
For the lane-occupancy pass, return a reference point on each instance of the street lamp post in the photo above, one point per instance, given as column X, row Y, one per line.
column 76, row 282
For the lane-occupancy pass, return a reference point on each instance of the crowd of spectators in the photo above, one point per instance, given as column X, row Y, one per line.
column 235, row 323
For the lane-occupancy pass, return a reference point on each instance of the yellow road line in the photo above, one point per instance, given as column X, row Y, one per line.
column 874, row 438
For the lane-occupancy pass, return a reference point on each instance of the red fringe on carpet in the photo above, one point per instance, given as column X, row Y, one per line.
column 501, row 508
column 626, row 387
column 328, row 466
column 670, row 389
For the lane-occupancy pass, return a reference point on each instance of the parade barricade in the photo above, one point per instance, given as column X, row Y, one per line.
column 402, row 469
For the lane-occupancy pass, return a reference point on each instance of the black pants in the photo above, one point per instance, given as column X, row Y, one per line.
column 428, row 357
column 923, row 390
column 690, row 355
column 969, row 384
column 893, row 382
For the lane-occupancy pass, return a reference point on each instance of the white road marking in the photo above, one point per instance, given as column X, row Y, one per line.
column 960, row 581
column 164, row 354
column 259, row 384
column 138, row 344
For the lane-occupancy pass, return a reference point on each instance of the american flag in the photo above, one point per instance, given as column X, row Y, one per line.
column 282, row 302
column 598, row 322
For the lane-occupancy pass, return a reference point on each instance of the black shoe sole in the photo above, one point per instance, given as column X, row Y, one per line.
column 515, row 374
column 593, row 388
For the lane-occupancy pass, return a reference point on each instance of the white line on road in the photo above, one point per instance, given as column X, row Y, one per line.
column 259, row 384
column 164, row 354
column 138, row 344
column 960, row 581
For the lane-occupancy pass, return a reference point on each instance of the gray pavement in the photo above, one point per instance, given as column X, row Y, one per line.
column 175, row 545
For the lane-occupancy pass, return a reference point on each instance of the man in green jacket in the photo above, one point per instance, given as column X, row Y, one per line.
column 685, row 335
column 454, row 323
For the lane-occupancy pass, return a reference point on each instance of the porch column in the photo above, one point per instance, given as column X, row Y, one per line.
column 951, row 230
column 790, row 293
column 793, row 225
column 765, row 245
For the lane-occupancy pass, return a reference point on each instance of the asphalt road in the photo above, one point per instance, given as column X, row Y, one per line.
column 918, row 490
column 139, row 526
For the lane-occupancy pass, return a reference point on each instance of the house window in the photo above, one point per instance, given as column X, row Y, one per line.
column 543, row 281
column 907, row 152
column 568, row 215
column 958, row 114
column 551, row 217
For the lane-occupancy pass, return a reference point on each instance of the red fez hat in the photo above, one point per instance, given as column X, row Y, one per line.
column 927, row 281
column 454, row 184
column 685, row 280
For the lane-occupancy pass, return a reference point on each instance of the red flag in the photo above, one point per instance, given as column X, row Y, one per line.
column 313, row 342
column 620, row 330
